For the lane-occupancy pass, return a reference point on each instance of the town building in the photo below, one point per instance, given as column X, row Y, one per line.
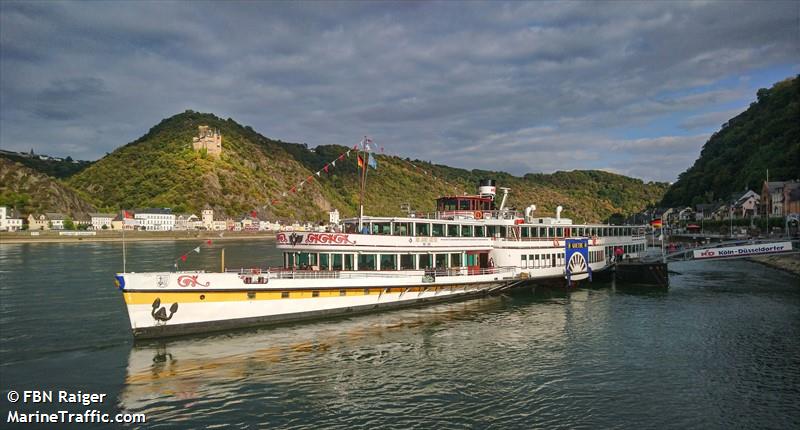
column 791, row 198
column 55, row 220
column 187, row 222
column 7, row 220
column 101, row 221
column 38, row 222
column 155, row 219
column 208, row 140
column 777, row 197
column 746, row 205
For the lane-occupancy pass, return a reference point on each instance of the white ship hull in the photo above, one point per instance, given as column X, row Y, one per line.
column 170, row 304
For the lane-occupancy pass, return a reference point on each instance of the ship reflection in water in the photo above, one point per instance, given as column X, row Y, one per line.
column 333, row 363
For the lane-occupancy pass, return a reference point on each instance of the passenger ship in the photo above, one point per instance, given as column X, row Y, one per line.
column 470, row 246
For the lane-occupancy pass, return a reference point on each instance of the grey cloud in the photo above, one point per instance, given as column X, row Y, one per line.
column 520, row 85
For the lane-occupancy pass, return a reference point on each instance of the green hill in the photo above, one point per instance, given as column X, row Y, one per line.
column 51, row 167
column 161, row 169
column 27, row 190
column 765, row 136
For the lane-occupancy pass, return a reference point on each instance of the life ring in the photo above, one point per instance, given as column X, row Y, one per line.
column 594, row 240
column 555, row 242
column 478, row 215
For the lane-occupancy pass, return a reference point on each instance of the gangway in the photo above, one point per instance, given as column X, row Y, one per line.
column 732, row 249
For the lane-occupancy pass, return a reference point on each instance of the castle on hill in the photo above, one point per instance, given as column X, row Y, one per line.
column 208, row 139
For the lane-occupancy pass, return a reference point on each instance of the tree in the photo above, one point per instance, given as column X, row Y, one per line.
column 69, row 224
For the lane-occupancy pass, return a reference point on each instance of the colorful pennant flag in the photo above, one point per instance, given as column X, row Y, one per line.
column 183, row 257
column 372, row 161
column 197, row 250
column 656, row 223
column 326, row 168
column 360, row 162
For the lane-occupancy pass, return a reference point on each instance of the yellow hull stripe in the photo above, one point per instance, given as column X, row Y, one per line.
column 147, row 297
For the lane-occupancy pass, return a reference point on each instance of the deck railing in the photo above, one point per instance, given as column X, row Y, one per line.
column 281, row 273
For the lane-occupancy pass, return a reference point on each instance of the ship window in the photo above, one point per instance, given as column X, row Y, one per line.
column 407, row 262
column 315, row 294
column 402, row 229
column 463, row 205
column 324, row 259
column 526, row 232
column 350, row 227
column 289, row 258
column 550, row 232
column 337, row 262
column 423, row 229
column 553, row 260
column 466, row 230
column 452, row 230
column 342, row 292
column 437, row 230
column 381, row 228
column 388, row 261
column 503, row 231
column 479, row 231
column 455, row 260
column 302, row 260
column 348, row 262
column 441, row 261
column 424, row 261
column 448, row 204
column 523, row 261
column 491, row 230
column 559, row 232
column 366, row 262
column 284, row 294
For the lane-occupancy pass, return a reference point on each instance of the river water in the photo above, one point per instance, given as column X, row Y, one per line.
column 720, row 349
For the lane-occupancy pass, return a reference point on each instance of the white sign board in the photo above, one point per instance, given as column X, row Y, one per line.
column 743, row 251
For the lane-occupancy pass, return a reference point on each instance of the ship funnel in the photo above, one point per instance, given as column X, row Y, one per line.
column 486, row 188
column 558, row 213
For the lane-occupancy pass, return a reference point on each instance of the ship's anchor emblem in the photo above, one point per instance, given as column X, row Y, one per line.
column 160, row 314
column 295, row 239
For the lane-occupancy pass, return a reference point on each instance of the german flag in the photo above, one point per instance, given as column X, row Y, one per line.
column 656, row 223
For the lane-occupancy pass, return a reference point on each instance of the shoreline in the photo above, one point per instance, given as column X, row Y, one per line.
column 132, row 237
column 785, row 263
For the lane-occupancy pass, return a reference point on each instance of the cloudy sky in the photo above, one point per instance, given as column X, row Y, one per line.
column 629, row 87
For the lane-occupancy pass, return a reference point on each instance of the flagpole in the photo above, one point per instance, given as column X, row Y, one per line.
column 124, row 264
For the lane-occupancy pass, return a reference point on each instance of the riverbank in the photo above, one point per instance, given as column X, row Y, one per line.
column 787, row 263
column 132, row 236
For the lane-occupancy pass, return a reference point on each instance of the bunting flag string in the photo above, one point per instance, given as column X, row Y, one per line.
column 326, row 169
column 183, row 257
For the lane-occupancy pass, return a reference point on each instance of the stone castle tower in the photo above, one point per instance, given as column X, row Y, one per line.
column 208, row 139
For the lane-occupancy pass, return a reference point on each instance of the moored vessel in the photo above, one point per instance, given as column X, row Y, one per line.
column 469, row 246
